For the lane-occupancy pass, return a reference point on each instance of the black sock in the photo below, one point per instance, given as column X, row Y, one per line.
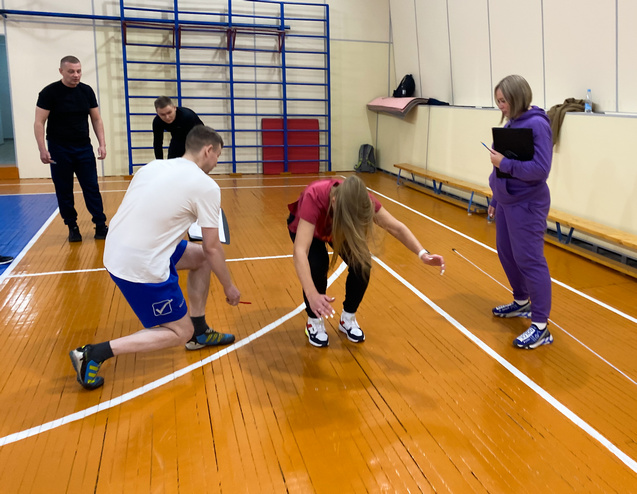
column 200, row 325
column 100, row 352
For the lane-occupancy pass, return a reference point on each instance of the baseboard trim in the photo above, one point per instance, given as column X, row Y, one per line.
column 9, row 173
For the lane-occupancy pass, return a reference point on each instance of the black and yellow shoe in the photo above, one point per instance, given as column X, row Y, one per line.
column 86, row 368
column 209, row 338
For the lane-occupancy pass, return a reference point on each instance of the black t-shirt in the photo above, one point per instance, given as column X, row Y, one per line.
column 69, row 108
column 185, row 120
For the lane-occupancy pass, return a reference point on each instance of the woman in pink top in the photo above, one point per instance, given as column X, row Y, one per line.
column 340, row 213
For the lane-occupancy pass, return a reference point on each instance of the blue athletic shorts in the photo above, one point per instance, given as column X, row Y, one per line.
column 157, row 303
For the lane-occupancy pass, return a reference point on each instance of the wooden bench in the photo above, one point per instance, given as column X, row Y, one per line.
column 603, row 232
column 439, row 180
column 565, row 224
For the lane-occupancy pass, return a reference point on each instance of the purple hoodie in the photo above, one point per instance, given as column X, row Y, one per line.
column 529, row 177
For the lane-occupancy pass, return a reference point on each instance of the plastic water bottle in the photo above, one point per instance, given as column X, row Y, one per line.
column 588, row 102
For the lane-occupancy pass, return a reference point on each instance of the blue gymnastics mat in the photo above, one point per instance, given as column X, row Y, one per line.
column 21, row 216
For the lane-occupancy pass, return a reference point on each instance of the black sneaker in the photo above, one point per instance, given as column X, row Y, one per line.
column 85, row 368
column 100, row 232
column 74, row 234
column 6, row 260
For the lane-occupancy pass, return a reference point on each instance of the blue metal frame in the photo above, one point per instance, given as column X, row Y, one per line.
column 176, row 24
column 231, row 26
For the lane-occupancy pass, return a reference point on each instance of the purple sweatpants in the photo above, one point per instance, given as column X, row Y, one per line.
column 520, row 242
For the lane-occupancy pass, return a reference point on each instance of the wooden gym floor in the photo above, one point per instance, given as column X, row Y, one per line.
column 435, row 400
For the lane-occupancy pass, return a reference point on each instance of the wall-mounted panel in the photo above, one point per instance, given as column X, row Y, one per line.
column 470, row 53
column 517, row 46
column 627, row 47
column 433, row 49
column 405, row 41
column 580, row 51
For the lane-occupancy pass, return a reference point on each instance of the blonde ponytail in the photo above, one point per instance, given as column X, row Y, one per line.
column 352, row 224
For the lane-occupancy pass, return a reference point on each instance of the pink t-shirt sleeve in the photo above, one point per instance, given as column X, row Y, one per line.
column 312, row 204
column 377, row 204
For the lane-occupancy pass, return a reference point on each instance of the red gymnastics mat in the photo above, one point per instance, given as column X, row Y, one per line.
column 303, row 145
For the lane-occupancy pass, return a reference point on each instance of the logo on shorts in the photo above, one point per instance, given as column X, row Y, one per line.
column 162, row 308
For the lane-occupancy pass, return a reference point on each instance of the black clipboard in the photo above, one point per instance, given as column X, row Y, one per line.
column 516, row 144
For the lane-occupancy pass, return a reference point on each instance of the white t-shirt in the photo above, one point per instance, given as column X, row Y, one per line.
column 164, row 198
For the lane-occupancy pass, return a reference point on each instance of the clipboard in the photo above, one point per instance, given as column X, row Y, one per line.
column 194, row 232
column 224, row 232
column 516, row 144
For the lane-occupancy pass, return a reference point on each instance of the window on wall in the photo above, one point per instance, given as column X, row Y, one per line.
column 7, row 148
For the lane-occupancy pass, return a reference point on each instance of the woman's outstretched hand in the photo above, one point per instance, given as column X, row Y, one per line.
column 434, row 260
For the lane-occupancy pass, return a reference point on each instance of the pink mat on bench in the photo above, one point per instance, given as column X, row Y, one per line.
column 395, row 106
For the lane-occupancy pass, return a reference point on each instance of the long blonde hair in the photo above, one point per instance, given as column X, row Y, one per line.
column 352, row 224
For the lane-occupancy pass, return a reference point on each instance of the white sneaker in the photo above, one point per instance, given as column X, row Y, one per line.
column 315, row 331
column 350, row 327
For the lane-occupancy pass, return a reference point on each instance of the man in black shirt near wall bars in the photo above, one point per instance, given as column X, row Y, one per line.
column 177, row 120
column 64, row 106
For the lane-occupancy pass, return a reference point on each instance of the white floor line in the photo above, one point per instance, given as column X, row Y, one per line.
column 76, row 271
column 623, row 457
column 471, row 239
column 34, row 431
column 539, row 390
column 618, row 370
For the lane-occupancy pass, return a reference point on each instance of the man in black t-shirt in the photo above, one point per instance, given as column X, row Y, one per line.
column 64, row 106
column 176, row 120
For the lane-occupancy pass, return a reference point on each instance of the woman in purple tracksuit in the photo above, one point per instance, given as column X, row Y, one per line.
column 520, row 205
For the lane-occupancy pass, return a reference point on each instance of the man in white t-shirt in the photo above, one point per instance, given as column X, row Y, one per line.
column 145, row 248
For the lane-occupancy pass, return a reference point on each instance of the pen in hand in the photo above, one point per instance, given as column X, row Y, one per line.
column 490, row 150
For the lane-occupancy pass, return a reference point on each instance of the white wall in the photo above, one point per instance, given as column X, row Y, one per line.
column 459, row 49
column 35, row 47
column 594, row 172
column 360, row 64
column 360, row 72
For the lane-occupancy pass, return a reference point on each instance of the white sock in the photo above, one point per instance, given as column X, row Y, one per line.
column 521, row 302
column 347, row 316
column 540, row 325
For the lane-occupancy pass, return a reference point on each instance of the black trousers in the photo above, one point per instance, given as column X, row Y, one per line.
column 355, row 284
column 78, row 160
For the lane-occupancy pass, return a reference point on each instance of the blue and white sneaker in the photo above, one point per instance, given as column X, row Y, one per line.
column 350, row 327
column 533, row 338
column 209, row 338
column 513, row 310
column 86, row 368
column 315, row 332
